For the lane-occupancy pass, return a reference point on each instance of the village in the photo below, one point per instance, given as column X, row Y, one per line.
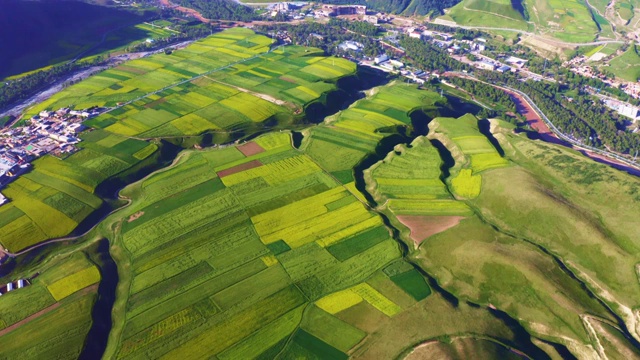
column 471, row 52
column 53, row 133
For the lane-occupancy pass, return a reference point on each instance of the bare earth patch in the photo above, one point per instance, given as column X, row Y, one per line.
column 239, row 168
column 424, row 226
column 154, row 103
column 135, row 216
column 250, row 148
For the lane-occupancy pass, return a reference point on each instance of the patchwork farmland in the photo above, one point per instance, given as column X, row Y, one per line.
column 232, row 247
column 64, row 294
column 224, row 82
column 64, row 189
column 57, row 195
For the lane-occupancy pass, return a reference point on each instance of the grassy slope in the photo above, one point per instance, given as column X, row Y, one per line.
column 475, row 262
column 627, row 65
column 487, row 13
column 564, row 192
column 566, row 20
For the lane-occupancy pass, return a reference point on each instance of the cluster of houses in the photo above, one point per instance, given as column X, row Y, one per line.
column 292, row 9
column 49, row 132
column 18, row 284
column 579, row 66
column 463, row 46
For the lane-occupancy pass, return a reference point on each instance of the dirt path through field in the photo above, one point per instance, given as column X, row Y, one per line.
column 266, row 97
column 29, row 319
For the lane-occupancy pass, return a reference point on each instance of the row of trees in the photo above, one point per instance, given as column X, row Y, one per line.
column 459, row 33
column 406, row 7
column 220, row 9
column 580, row 116
column 23, row 88
column 430, row 57
column 486, row 93
column 331, row 35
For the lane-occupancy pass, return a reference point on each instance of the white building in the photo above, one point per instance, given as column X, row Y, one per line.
column 628, row 111
column 486, row 65
column 3, row 199
column 380, row 59
column 397, row 64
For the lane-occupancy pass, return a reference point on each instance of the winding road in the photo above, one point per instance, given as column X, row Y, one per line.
column 634, row 167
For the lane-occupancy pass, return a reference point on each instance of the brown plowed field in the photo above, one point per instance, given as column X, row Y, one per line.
column 423, row 227
column 239, row 168
column 250, row 148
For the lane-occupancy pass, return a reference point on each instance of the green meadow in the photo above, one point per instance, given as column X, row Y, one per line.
column 569, row 21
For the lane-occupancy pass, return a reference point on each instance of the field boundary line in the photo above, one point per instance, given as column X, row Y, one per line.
column 192, row 79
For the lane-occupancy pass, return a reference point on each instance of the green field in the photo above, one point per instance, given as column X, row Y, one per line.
column 627, row 65
column 226, row 81
column 57, row 195
column 226, row 267
column 569, row 21
column 472, row 151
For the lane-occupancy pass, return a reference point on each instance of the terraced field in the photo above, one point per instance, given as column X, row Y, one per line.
column 360, row 240
column 472, row 151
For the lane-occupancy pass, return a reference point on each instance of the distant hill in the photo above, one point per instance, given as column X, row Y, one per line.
column 405, row 7
column 570, row 21
column 35, row 34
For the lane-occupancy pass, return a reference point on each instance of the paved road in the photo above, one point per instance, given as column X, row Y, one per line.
column 561, row 135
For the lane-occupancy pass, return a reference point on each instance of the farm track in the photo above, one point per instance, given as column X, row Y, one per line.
column 192, row 78
column 534, row 35
column 128, row 201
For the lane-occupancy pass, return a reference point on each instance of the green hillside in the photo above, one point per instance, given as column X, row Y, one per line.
column 570, row 21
